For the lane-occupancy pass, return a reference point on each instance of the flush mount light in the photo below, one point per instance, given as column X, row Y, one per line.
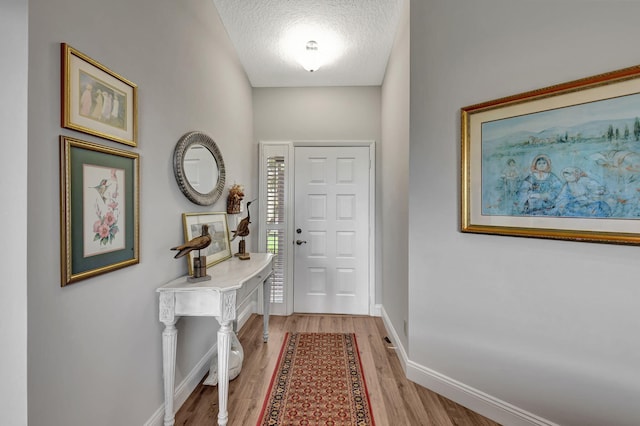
column 310, row 58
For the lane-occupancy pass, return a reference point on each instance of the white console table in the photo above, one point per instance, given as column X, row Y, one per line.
column 214, row 298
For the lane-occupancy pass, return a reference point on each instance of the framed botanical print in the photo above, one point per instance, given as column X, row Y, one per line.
column 99, row 209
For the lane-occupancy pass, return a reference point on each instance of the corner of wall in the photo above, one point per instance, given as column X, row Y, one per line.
column 395, row 339
column 480, row 402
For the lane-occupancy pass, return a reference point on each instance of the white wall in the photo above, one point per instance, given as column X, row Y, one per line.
column 13, row 214
column 94, row 346
column 559, row 344
column 548, row 326
column 394, row 171
column 317, row 113
column 321, row 113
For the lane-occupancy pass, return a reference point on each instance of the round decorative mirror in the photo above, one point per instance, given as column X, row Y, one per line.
column 199, row 168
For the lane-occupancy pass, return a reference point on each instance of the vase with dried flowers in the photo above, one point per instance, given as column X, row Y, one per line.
column 234, row 200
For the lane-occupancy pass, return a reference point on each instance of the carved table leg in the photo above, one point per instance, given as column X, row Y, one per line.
column 224, row 346
column 236, row 357
column 266, row 293
column 169, row 339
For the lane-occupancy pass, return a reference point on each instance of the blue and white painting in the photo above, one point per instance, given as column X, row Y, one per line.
column 581, row 161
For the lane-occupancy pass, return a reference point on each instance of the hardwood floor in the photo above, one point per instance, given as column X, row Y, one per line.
column 395, row 401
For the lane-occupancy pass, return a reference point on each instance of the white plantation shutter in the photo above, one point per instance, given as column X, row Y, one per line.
column 275, row 223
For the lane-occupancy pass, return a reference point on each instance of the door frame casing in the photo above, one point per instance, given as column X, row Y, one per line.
column 290, row 212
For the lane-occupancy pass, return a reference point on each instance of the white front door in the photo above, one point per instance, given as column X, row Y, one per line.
column 331, row 237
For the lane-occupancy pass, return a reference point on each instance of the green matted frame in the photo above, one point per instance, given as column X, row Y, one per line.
column 99, row 209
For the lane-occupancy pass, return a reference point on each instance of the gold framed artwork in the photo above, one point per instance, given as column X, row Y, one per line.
column 220, row 247
column 99, row 209
column 561, row 162
column 97, row 101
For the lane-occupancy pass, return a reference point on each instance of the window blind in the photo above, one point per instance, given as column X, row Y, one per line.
column 275, row 224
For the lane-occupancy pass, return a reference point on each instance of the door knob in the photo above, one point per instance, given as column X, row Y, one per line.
column 300, row 242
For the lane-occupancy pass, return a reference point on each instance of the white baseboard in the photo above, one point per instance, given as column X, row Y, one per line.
column 185, row 388
column 376, row 310
column 395, row 339
column 474, row 399
column 188, row 385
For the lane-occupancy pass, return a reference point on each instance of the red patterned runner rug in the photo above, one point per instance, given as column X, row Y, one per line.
column 318, row 380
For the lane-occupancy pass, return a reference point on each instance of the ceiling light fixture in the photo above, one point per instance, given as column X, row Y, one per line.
column 310, row 58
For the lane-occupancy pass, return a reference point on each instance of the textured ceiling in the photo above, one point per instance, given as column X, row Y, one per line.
column 356, row 37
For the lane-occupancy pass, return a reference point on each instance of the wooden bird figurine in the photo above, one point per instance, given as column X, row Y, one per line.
column 243, row 227
column 197, row 243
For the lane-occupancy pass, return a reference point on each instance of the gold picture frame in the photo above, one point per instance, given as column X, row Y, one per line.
column 562, row 162
column 97, row 101
column 99, row 209
column 220, row 247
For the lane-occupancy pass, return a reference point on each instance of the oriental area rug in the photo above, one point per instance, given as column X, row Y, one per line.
column 318, row 380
